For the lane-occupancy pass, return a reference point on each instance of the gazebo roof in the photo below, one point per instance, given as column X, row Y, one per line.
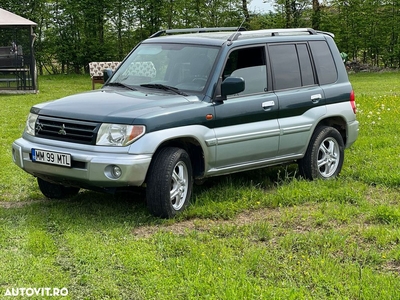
column 9, row 19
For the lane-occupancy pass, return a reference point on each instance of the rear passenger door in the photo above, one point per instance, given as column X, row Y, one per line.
column 301, row 99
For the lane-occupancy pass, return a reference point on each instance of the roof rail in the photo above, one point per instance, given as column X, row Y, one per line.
column 277, row 32
column 191, row 30
column 326, row 32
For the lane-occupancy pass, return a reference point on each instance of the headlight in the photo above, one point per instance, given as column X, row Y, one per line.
column 118, row 134
column 31, row 123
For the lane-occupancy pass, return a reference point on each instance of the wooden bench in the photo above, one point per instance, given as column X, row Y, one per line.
column 96, row 70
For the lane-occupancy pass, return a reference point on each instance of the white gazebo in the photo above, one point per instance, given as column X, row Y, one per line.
column 17, row 57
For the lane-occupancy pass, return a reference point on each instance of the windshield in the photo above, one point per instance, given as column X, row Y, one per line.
column 181, row 66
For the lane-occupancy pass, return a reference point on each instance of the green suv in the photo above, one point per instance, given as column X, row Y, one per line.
column 190, row 104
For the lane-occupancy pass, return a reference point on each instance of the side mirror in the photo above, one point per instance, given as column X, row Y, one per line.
column 107, row 73
column 232, row 85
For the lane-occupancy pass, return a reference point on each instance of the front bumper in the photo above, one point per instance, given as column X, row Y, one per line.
column 90, row 168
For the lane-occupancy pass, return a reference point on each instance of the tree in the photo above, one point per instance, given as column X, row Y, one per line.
column 316, row 14
column 292, row 12
column 71, row 33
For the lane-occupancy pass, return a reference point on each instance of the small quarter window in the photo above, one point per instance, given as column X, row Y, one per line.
column 324, row 64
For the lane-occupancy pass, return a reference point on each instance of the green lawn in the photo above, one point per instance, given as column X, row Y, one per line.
column 264, row 234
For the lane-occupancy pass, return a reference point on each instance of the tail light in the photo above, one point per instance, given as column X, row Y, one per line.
column 353, row 102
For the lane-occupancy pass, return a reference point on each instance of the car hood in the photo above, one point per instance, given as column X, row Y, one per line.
column 113, row 105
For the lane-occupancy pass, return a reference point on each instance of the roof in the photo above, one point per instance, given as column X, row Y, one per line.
column 9, row 19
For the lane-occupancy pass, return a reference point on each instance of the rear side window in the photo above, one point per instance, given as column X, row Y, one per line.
column 307, row 74
column 285, row 66
column 291, row 66
column 324, row 64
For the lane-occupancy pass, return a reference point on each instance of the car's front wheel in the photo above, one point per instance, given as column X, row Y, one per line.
column 169, row 182
column 56, row 191
column 324, row 156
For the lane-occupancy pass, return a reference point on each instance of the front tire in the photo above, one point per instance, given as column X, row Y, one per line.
column 169, row 182
column 324, row 156
column 56, row 191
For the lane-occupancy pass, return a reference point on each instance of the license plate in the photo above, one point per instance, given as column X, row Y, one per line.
column 50, row 157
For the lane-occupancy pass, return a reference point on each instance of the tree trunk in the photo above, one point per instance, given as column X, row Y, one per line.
column 288, row 13
column 316, row 15
column 246, row 11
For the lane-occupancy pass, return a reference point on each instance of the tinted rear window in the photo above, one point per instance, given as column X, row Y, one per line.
column 291, row 65
column 285, row 66
column 324, row 64
column 307, row 75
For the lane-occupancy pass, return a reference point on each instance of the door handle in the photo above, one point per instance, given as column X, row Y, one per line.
column 268, row 104
column 316, row 97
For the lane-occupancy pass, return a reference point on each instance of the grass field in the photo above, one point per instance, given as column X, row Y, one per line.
column 264, row 234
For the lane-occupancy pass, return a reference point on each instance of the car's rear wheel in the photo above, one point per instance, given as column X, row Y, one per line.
column 56, row 191
column 324, row 156
column 169, row 182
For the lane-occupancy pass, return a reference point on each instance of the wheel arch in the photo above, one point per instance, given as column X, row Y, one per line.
column 337, row 122
column 193, row 147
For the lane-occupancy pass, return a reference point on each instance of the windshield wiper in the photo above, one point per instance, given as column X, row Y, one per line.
column 164, row 87
column 121, row 84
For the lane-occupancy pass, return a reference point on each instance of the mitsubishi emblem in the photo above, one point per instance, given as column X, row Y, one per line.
column 39, row 127
column 62, row 130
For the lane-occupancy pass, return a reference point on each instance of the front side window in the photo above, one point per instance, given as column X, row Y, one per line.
column 185, row 67
column 249, row 64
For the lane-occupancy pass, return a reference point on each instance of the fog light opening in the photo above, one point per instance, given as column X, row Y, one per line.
column 116, row 172
column 113, row 172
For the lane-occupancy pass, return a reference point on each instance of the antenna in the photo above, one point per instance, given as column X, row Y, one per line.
column 241, row 24
column 237, row 33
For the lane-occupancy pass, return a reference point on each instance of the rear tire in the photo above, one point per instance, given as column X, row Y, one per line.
column 324, row 156
column 169, row 182
column 56, row 191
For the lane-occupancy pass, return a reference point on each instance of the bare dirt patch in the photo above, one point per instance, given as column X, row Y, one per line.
column 18, row 204
column 272, row 216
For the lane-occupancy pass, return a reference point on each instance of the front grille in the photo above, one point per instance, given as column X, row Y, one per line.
column 66, row 130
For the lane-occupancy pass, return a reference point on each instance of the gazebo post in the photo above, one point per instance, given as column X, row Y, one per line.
column 33, row 60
